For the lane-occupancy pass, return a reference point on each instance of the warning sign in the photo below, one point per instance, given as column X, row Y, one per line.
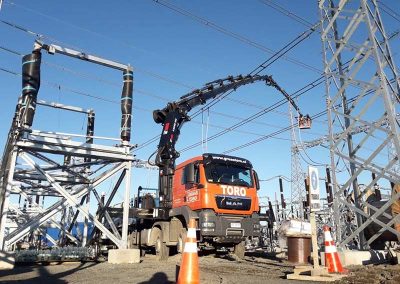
column 315, row 204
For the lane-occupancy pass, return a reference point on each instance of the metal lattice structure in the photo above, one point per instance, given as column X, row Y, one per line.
column 57, row 175
column 298, row 191
column 362, row 93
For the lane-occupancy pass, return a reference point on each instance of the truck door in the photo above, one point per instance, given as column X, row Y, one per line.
column 191, row 181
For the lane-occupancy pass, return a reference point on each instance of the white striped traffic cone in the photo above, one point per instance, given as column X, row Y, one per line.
column 189, row 270
column 332, row 260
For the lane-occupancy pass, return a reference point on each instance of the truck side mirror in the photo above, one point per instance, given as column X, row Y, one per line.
column 190, row 173
column 257, row 181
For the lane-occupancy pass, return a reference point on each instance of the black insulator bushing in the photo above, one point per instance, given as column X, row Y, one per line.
column 90, row 131
column 90, row 127
column 30, row 86
column 126, row 106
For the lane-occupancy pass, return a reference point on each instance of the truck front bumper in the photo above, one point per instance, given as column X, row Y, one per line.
column 228, row 229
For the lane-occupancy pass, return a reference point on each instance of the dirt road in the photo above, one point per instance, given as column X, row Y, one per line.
column 221, row 269
column 213, row 269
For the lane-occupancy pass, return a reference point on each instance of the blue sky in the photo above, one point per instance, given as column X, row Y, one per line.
column 171, row 54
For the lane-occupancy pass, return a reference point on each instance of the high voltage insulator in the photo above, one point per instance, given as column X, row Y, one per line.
column 126, row 106
column 30, row 86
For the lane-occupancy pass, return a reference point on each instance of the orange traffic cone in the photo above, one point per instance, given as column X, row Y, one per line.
column 189, row 271
column 332, row 260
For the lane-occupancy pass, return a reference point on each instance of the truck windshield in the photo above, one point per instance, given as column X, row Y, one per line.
column 228, row 174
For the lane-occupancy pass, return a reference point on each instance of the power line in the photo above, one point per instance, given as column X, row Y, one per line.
column 261, row 67
column 312, row 84
column 108, row 38
column 269, row 135
column 324, row 112
column 390, row 11
column 261, row 122
column 116, row 85
column 147, row 72
column 234, row 35
column 79, row 92
column 84, row 75
column 264, row 65
column 256, row 115
column 60, row 87
column 276, row 56
column 287, row 13
column 237, row 131
column 281, row 113
column 293, row 43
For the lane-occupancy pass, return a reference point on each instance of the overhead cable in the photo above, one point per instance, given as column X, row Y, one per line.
column 261, row 67
column 287, row 13
column 324, row 112
column 256, row 115
column 390, row 11
column 227, row 32
column 138, row 69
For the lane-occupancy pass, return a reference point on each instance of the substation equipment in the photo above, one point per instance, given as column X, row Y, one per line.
column 363, row 91
column 362, row 95
column 57, row 166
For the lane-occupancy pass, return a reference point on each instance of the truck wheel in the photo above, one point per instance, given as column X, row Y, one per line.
column 239, row 250
column 162, row 251
column 181, row 241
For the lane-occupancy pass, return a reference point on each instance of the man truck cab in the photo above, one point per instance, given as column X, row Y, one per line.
column 222, row 192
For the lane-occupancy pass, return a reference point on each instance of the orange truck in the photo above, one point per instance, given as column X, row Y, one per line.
column 219, row 191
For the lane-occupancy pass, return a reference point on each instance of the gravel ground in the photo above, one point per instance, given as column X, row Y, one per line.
column 374, row 274
column 213, row 269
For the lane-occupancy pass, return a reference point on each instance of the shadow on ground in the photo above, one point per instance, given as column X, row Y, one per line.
column 40, row 274
column 158, row 278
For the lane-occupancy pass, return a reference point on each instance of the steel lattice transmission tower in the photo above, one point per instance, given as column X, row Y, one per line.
column 362, row 90
column 297, row 176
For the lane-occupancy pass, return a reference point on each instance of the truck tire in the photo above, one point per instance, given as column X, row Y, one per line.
column 181, row 241
column 239, row 250
column 162, row 250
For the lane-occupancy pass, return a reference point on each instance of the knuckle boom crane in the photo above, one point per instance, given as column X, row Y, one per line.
column 175, row 114
column 218, row 191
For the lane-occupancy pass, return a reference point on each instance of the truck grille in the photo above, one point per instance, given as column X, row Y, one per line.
column 233, row 202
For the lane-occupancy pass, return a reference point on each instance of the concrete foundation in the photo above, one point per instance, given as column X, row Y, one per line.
column 7, row 260
column 353, row 257
column 119, row 256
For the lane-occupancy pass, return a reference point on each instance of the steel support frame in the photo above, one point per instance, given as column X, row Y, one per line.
column 70, row 198
column 344, row 23
column 7, row 183
column 68, row 193
column 57, row 224
column 298, row 191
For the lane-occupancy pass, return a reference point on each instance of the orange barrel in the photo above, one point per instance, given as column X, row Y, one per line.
column 299, row 249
